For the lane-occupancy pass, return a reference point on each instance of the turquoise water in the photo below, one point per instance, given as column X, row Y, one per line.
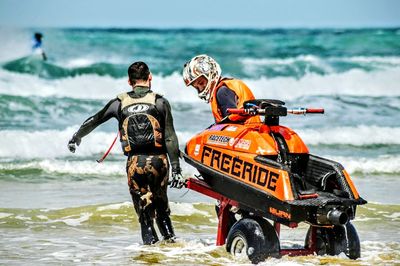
column 63, row 208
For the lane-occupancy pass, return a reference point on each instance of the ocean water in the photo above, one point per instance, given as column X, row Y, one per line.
column 63, row 208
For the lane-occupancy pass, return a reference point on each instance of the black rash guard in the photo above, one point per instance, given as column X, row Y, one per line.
column 226, row 98
column 113, row 109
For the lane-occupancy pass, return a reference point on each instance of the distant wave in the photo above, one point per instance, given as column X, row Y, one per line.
column 354, row 82
column 34, row 170
column 384, row 164
column 390, row 61
column 37, row 67
column 361, row 135
column 249, row 67
column 302, row 65
column 51, row 143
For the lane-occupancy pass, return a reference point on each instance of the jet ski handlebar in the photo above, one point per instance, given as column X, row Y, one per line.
column 276, row 111
column 302, row 110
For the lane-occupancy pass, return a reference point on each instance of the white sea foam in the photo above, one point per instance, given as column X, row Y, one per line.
column 53, row 143
column 79, row 62
column 50, row 143
column 87, row 167
column 115, row 206
column 382, row 164
column 4, row 215
column 389, row 61
column 48, row 149
column 354, row 83
column 75, row 221
column 88, row 60
column 186, row 209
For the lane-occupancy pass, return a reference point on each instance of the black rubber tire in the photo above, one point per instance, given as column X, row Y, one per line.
column 340, row 238
column 256, row 237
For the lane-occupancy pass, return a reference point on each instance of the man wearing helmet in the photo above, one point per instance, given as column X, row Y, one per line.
column 204, row 74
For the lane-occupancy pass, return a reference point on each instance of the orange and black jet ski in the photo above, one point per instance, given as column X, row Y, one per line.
column 266, row 170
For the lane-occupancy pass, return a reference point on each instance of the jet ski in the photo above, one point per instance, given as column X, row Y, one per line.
column 265, row 173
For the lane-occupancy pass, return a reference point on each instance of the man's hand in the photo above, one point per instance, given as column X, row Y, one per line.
column 73, row 142
column 177, row 180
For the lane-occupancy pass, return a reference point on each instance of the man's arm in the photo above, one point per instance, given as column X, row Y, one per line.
column 110, row 110
column 226, row 98
column 170, row 138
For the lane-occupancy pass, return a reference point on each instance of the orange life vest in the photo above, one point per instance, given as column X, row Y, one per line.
column 243, row 94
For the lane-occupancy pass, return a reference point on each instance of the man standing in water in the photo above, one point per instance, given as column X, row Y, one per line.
column 147, row 135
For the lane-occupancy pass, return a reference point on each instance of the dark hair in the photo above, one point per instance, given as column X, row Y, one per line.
column 38, row 36
column 138, row 71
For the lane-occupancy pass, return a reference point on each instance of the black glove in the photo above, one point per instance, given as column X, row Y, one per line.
column 73, row 142
column 177, row 180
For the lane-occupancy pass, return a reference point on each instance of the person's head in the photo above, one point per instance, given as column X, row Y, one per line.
column 139, row 74
column 38, row 36
column 203, row 73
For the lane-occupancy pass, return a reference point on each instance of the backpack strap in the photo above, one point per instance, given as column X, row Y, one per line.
column 126, row 100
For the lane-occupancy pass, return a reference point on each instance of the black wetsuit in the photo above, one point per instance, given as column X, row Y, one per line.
column 147, row 172
column 113, row 109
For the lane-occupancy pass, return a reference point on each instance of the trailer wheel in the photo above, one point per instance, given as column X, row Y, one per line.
column 254, row 238
column 333, row 241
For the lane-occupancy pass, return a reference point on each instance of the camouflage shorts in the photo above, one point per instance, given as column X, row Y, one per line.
column 149, row 173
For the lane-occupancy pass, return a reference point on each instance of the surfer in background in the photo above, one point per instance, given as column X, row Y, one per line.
column 37, row 47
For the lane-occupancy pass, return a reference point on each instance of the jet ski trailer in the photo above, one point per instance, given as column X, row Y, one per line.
column 264, row 174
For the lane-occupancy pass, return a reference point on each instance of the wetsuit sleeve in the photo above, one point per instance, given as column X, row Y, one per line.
column 226, row 98
column 170, row 138
column 110, row 110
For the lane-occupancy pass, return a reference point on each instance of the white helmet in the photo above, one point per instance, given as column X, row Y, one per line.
column 206, row 66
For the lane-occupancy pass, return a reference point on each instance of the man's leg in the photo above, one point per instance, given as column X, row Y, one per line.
column 165, row 225
column 159, row 168
column 139, row 190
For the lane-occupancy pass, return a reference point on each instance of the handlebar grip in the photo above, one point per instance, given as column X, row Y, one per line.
column 315, row 110
column 235, row 111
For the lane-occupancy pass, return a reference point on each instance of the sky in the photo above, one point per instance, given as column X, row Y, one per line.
column 200, row 13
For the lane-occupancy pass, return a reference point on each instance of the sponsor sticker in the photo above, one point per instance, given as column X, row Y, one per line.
column 197, row 149
column 231, row 128
column 218, row 140
column 217, row 127
column 241, row 143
